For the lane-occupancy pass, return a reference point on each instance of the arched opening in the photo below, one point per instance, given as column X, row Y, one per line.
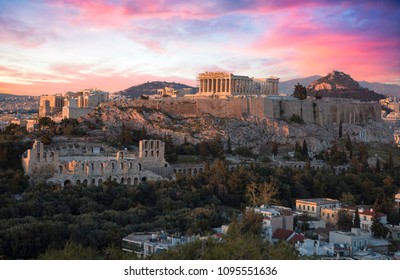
column 135, row 181
column 194, row 170
column 130, row 165
column 157, row 144
column 78, row 182
column 152, row 153
column 51, row 156
column 60, row 168
column 129, row 181
column 122, row 165
column 140, row 166
column 158, row 154
column 67, row 183
column 92, row 166
column 145, row 144
column 112, row 166
column 151, row 145
column 85, row 182
column 190, row 171
column 45, row 156
column 83, row 167
column 122, row 181
column 144, row 179
column 100, row 182
column 93, row 182
column 145, row 153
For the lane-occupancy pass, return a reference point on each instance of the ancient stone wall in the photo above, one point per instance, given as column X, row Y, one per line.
column 93, row 167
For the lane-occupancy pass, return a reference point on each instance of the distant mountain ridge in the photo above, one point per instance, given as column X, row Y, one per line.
column 287, row 87
column 340, row 85
column 150, row 88
column 9, row 95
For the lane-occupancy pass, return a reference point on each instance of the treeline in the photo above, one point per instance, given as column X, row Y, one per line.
column 39, row 219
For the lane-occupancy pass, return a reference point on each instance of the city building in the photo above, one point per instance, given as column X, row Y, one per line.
column 313, row 206
column 275, row 217
column 397, row 200
column 71, row 104
column 366, row 217
column 92, row 164
column 147, row 244
column 223, row 85
column 357, row 240
column 173, row 93
column 287, row 235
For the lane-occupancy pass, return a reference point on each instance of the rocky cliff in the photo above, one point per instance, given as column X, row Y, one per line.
column 340, row 85
column 251, row 131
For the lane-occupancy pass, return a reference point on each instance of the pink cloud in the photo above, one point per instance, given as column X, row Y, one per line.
column 310, row 48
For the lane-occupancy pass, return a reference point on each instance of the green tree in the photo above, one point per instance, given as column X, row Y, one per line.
column 344, row 221
column 71, row 251
column 229, row 146
column 357, row 221
column 378, row 166
column 378, row 230
column 300, row 91
column 298, row 151
column 46, row 122
column 389, row 162
column 143, row 133
column 347, row 198
column 274, row 148
column 304, row 150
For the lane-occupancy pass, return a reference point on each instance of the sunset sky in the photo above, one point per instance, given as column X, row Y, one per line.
column 50, row 46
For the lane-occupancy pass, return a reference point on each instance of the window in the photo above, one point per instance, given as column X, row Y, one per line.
column 299, row 206
column 308, row 207
column 323, row 213
column 365, row 218
column 312, row 208
column 304, row 207
column 333, row 215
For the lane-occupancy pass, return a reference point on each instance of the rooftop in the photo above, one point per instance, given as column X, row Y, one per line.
column 318, row 200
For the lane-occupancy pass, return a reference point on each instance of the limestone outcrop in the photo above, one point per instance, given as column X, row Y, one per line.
column 251, row 131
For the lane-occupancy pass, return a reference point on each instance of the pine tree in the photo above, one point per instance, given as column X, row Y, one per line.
column 300, row 91
column 298, row 151
column 229, row 146
column 274, row 148
column 389, row 161
column 378, row 166
column 357, row 221
column 143, row 133
column 304, row 150
column 378, row 230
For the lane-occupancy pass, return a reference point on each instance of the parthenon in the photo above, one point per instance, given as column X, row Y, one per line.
column 225, row 85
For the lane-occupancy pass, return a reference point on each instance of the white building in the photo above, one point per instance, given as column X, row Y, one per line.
column 366, row 217
column 313, row 206
column 275, row 217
